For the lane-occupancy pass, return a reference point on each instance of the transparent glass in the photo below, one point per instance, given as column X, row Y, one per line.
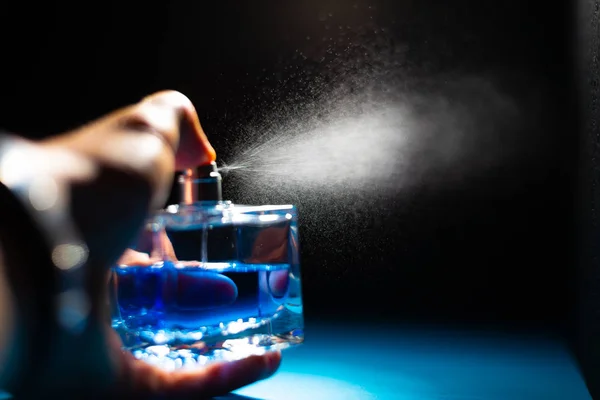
column 210, row 282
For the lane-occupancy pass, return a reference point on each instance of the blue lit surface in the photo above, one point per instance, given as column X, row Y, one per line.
column 402, row 364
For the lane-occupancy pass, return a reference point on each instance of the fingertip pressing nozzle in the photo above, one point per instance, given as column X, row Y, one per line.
column 194, row 148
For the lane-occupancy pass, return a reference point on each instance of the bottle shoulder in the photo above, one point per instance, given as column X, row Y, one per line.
column 224, row 212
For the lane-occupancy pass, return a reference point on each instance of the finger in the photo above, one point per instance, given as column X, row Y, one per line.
column 213, row 380
column 192, row 290
column 279, row 282
column 132, row 257
column 163, row 248
column 201, row 289
column 157, row 244
column 194, row 148
column 271, row 245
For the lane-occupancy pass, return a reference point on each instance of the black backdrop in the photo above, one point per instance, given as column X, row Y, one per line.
column 588, row 45
column 496, row 248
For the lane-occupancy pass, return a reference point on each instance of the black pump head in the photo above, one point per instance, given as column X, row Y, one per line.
column 202, row 183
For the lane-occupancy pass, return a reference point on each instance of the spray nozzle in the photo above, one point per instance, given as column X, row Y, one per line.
column 202, row 183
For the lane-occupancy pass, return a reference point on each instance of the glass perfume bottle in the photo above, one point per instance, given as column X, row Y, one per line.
column 209, row 280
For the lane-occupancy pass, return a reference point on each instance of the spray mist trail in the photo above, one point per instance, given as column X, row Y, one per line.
column 362, row 126
column 348, row 150
column 361, row 143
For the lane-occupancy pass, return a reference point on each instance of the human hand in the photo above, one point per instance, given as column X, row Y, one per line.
column 111, row 173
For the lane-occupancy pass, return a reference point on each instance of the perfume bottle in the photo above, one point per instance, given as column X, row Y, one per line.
column 209, row 280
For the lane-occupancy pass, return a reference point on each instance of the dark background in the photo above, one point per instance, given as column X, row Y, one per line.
column 495, row 247
column 588, row 346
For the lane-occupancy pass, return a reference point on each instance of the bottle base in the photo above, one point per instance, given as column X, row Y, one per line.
column 174, row 349
column 200, row 354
